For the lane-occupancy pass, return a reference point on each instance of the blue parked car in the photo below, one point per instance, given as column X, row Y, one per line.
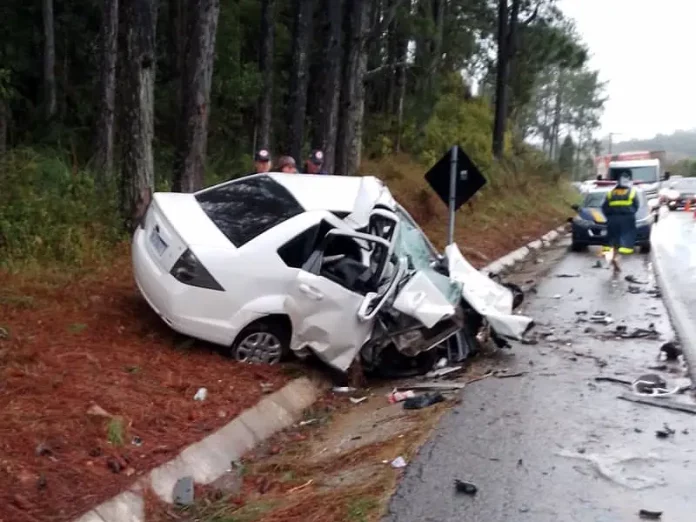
column 590, row 225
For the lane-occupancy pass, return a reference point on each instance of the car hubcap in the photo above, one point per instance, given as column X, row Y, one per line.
column 259, row 347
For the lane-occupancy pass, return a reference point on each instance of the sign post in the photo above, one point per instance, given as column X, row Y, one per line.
column 452, row 193
column 455, row 179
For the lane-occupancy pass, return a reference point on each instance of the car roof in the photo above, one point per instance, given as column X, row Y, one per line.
column 334, row 193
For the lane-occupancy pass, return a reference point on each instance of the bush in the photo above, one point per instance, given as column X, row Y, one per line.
column 50, row 212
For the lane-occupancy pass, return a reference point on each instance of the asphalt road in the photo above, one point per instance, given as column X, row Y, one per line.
column 554, row 445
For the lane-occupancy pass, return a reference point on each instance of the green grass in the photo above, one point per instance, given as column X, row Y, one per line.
column 115, row 431
column 360, row 509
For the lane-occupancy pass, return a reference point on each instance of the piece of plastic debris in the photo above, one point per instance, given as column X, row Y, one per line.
column 397, row 396
column 647, row 514
column 343, row 389
column 441, row 363
column 441, row 372
column 671, row 351
column 136, row 441
column 398, row 462
column 464, row 487
column 632, row 279
column 357, row 400
column 557, row 296
column 183, row 491
column 665, row 432
column 201, row 394
column 423, row 401
column 307, row 422
column 97, row 411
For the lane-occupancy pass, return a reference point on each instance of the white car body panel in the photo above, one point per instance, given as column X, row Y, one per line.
column 492, row 300
column 421, row 299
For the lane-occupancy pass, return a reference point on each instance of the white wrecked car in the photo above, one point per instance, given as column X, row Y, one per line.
column 271, row 264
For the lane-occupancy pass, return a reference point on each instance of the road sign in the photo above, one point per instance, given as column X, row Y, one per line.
column 467, row 177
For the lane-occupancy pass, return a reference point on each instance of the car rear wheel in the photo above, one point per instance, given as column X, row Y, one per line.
column 266, row 341
column 645, row 249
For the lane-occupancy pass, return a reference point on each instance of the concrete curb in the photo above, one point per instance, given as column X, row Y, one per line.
column 211, row 457
column 508, row 261
column 686, row 330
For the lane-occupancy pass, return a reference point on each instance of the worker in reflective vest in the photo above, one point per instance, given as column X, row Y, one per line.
column 620, row 207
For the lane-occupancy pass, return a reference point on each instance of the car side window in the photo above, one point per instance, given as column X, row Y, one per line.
column 296, row 251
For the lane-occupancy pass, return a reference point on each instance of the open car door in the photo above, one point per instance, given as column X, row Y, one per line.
column 338, row 292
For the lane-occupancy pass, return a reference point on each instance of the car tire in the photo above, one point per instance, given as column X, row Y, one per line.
column 265, row 341
column 578, row 247
column 645, row 249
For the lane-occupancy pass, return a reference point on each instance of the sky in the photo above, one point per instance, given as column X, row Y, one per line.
column 645, row 50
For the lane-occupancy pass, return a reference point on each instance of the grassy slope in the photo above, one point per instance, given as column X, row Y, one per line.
column 501, row 218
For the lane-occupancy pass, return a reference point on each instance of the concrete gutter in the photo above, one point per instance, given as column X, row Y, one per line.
column 209, row 459
column 686, row 330
column 515, row 257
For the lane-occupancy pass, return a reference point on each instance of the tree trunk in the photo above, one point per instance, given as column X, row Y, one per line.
column 137, row 168
column 49, row 59
column 331, row 84
column 107, row 89
column 4, row 117
column 198, row 76
column 266, row 69
column 299, row 77
column 507, row 36
column 353, row 96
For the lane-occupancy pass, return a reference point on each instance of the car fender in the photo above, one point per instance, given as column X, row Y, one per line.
column 256, row 309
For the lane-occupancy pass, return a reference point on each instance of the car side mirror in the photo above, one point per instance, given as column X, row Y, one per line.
column 575, row 207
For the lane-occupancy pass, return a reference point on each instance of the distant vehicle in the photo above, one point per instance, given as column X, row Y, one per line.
column 679, row 191
column 589, row 226
column 273, row 264
column 647, row 169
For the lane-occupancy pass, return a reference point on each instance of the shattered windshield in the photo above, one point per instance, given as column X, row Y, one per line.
column 412, row 244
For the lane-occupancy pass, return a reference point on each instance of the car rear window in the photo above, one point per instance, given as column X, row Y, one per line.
column 246, row 208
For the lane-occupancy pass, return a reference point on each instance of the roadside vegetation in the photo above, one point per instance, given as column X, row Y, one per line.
column 103, row 103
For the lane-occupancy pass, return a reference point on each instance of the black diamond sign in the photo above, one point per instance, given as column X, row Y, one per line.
column 469, row 178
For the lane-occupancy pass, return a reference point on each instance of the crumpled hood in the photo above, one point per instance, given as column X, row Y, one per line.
column 490, row 299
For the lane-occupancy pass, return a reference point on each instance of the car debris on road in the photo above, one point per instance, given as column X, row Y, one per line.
column 272, row 264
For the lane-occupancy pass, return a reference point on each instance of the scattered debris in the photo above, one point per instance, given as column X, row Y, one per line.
column 441, row 372
column 308, row 422
column 613, row 379
column 4, row 334
column 509, row 375
column 654, row 293
column 632, row 279
column 357, row 400
column 136, row 441
column 467, row 488
column 557, row 296
column 638, row 333
column 598, row 264
column 646, row 514
column 567, row 275
column 201, row 394
column 267, row 387
column 97, row 411
column 434, row 386
column 601, row 317
column 183, row 491
column 301, row 487
column 398, row 462
column 660, row 403
column 665, row 433
column 648, row 382
column 343, row 389
column 397, row 396
column 634, row 289
column 43, row 449
column 423, row 401
column 671, row 351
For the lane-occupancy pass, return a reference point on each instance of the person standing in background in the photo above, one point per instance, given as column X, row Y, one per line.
column 315, row 162
column 286, row 164
column 262, row 162
column 620, row 207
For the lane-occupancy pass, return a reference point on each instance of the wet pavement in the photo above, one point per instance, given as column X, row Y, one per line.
column 553, row 444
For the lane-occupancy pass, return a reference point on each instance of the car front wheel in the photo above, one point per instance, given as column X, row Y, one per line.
column 578, row 247
column 266, row 341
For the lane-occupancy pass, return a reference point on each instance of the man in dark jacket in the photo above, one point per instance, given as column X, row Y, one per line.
column 620, row 207
column 315, row 162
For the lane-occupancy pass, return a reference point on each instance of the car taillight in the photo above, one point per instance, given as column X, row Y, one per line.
column 190, row 271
